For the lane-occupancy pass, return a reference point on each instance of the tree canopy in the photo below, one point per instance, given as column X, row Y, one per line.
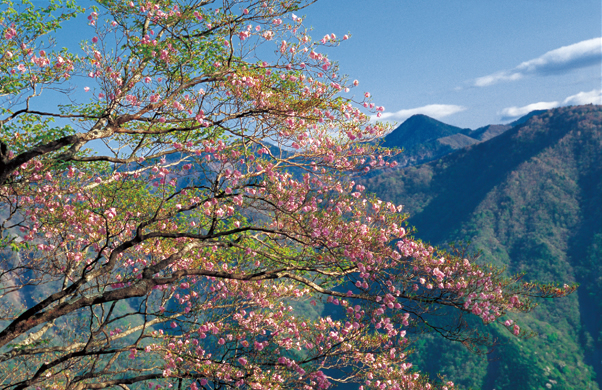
column 179, row 210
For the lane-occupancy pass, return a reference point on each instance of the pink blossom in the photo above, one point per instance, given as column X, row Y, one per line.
column 10, row 33
column 111, row 213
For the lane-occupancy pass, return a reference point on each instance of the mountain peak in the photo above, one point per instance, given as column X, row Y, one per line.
column 419, row 129
column 421, row 119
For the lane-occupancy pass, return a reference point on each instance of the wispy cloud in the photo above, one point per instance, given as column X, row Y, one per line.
column 514, row 112
column 558, row 61
column 436, row 111
column 593, row 96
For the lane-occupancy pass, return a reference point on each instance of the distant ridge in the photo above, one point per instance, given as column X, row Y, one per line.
column 425, row 139
column 490, row 131
column 526, row 117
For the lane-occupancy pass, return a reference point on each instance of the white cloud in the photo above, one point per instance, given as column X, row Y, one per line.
column 486, row 81
column 514, row 112
column 593, row 96
column 558, row 61
column 436, row 111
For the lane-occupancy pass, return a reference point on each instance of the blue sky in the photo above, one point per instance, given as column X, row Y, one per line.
column 467, row 62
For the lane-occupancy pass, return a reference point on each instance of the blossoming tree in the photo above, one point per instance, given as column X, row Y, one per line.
column 179, row 210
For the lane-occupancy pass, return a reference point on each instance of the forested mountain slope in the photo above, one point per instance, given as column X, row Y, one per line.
column 529, row 199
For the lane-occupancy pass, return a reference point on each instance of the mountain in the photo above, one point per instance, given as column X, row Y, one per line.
column 530, row 199
column 487, row 132
column 419, row 138
column 490, row 131
column 424, row 139
column 417, row 130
